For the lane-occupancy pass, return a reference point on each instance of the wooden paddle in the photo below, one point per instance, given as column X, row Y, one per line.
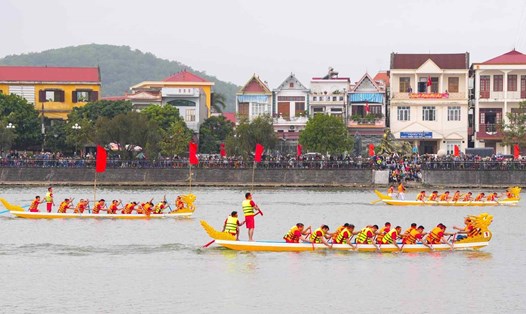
column 377, row 201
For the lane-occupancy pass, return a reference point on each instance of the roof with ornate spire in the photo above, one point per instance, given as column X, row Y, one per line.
column 255, row 86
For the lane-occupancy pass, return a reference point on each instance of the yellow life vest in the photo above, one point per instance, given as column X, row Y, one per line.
column 62, row 207
column 248, row 210
column 290, row 235
column 48, row 198
column 433, row 237
column 158, row 208
column 337, row 232
column 380, row 235
column 362, row 236
column 231, row 225
column 315, row 238
column 342, row 235
column 387, row 238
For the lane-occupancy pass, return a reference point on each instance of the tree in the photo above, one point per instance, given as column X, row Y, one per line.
column 212, row 132
column 174, row 141
column 163, row 116
column 100, row 108
column 326, row 134
column 23, row 116
column 83, row 134
column 248, row 134
column 514, row 132
column 7, row 136
column 218, row 102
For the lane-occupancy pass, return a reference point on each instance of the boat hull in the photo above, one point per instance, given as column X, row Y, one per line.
column 303, row 247
column 390, row 201
column 40, row 215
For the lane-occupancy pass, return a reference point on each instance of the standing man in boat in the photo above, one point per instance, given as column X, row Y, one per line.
column 34, row 204
column 248, row 210
column 232, row 225
column 297, row 233
column 401, row 191
column 49, row 199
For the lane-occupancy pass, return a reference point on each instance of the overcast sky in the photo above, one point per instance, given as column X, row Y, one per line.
column 234, row 39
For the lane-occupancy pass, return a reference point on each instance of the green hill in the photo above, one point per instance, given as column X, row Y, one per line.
column 120, row 66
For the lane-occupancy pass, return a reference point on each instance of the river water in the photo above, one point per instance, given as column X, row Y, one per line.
column 117, row 266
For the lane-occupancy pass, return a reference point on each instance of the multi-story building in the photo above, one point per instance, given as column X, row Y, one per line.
column 500, row 85
column 367, row 108
column 54, row 91
column 429, row 100
column 186, row 91
column 290, row 103
column 329, row 95
column 254, row 99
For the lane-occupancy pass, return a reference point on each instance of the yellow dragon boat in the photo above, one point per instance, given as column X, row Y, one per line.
column 19, row 211
column 480, row 240
column 505, row 202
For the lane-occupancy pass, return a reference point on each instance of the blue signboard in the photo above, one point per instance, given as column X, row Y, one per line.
column 409, row 135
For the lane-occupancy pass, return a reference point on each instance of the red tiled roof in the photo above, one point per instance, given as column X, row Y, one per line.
column 442, row 60
column 184, row 76
column 382, row 76
column 230, row 116
column 49, row 74
column 114, row 98
column 512, row 57
column 255, row 85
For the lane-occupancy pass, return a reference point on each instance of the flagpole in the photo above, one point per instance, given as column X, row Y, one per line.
column 253, row 174
column 190, row 174
column 95, row 187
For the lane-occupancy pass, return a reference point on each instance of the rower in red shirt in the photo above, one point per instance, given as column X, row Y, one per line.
column 34, row 204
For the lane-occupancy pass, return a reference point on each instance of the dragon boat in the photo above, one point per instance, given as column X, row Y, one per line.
column 19, row 211
column 478, row 241
column 505, row 202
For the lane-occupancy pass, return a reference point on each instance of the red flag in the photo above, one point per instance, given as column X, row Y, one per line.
column 456, row 151
column 366, row 107
column 192, row 153
column 258, row 153
column 516, row 151
column 429, row 83
column 100, row 162
column 371, row 149
column 222, row 150
column 299, row 149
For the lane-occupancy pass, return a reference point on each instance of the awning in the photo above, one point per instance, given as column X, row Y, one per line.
column 253, row 98
column 366, row 97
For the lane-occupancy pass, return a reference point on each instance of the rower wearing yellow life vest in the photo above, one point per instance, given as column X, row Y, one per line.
column 456, row 196
column 129, row 208
column 390, row 191
column 444, row 197
column 391, row 236
column 232, row 224
column 367, row 235
column 493, row 197
column 421, row 196
column 64, row 206
column 100, row 206
column 159, row 207
column 147, row 208
column 382, row 232
column 338, row 230
column 34, row 204
column 297, row 233
column 413, row 227
column 321, row 235
column 346, row 235
column 81, row 206
column 468, row 231
column 413, row 235
column 467, row 197
column 433, row 197
column 480, row 197
column 114, row 206
column 436, row 236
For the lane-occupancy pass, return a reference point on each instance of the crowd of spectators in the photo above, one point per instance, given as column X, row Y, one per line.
column 401, row 168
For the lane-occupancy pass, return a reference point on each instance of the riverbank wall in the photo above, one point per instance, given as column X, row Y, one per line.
column 365, row 178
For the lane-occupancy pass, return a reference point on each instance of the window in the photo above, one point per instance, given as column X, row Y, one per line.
column 404, row 113
column 453, row 113
column 334, row 98
column 242, row 109
column 317, row 110
column 484, row 86
column 405, row 85
column 314, row 98
column 291, row 85
column 497, row 83
column 341, row 98
column 84, row 95
column 51, row 95
column 292, row 98
column 428, row 113
column 452, row 84
column 300, row 108
column 260, row 109
column 189, row 115
column 512, row 83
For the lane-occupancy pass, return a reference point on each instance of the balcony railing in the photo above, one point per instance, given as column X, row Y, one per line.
column 364, row 122
column 489, row 131
column 429, row 96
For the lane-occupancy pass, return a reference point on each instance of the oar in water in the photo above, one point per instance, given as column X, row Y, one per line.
column 377, row 201
column 4, row 211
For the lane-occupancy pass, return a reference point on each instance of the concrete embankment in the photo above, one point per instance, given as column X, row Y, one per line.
column 243, row 177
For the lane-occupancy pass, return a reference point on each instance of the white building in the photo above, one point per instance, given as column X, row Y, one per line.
column 291, row 100
column 429, row 100
column 329, row 95
column 500, row 85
